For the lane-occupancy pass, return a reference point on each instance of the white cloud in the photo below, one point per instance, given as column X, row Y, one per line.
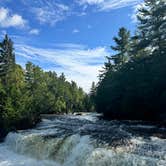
column 78, row 63
column 70, row 46
column 7, row 19
column 75, row 31
column 109, row 4
column 34, row 32
column 49, row 12
column 91, row 2
column 81, row 14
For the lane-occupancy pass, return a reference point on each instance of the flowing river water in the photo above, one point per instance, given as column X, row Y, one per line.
column 85, row 141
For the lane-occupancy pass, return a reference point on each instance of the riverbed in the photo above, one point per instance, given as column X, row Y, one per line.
column 85, row 140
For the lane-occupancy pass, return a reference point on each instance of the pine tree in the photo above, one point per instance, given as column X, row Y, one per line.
column 62, row 77
column 93, row 92
column 108, row 66
column 152, row 27
column 7, row 56
column 29, row 76
column 122, row 47
column 135, row 50
column 93, row 88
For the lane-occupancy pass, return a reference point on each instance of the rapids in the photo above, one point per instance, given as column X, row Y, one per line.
column 85, row 141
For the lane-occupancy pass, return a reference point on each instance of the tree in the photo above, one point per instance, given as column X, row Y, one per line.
column 62, row 77
column 136, row 89
column 93, row 90
column 122, row 47
column 7, row 57
column 25, row 94
column 92, row 96
column 108, row 66
column 152, row 27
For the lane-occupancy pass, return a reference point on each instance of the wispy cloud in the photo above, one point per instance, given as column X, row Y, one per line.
column 49, row 11
column 91, row 2
column 8, row 19
column 78, row 63
column 104, row 5
column 34, row 31
column 75, row 31
column 70, row 46
column 45, row 11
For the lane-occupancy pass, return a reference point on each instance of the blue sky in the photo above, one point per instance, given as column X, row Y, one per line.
column 70, row 36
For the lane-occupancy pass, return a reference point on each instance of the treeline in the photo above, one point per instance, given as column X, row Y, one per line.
column 133, row 80
column 27, row 93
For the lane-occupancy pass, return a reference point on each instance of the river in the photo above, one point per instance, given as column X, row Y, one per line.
column 85, row 141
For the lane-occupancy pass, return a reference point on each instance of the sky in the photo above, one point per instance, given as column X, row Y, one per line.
column 69, row 36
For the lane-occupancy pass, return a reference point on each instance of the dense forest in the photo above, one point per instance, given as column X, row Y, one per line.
column 27, row 93
column 132, row 83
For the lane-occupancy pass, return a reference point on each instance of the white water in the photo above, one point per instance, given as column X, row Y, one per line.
column 75, row 141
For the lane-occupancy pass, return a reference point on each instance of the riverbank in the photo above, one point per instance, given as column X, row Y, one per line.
column 24, row 126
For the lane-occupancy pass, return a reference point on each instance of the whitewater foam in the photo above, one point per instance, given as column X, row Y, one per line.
column 73, row 141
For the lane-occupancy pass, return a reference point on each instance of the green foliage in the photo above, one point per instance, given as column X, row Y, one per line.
column 25, row 94
column 92, row 97
column 151, row 27
column 132, row 85
column 7, row 57
column 122, row 47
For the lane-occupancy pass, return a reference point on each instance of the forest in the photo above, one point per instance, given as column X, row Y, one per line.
column 132, row 83
column 27, row 93
column 46, row 119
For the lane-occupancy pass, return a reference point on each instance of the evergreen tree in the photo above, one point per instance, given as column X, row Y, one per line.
column 92, row 96
column 25, row 94
column 62, row 77
column 108, row 66
column 152, row 27
column 93, row 90
column 122, row 47
column 7, row 56
column 29, row 75
column 136, row 89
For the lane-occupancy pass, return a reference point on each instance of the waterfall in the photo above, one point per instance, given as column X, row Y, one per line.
column 56, row 143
